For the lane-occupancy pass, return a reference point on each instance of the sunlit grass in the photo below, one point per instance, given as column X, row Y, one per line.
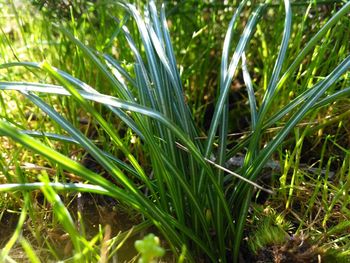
column 170, row 179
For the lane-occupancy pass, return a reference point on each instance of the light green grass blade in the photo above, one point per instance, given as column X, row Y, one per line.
column 114, row 102
column 17, row 232
column 313, row 41
column 294, row 104
column 83, row 141
column 120, row 69
column 140, row 204
column 119, row 88
column 187, row 143
column 61, row 212
column 109, row 130
column 29, row 250
column 69, row 139
column 250, row 90
column 332, row 98
column 52, row 155
column 80, row 85
column 72, row 187
column 266, row 153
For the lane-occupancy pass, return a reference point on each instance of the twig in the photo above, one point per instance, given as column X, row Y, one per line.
column 239, row 176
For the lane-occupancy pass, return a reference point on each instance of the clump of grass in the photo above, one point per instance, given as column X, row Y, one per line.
column 193, row 203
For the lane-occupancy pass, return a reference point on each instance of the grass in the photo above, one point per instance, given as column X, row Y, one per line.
column 194, row 204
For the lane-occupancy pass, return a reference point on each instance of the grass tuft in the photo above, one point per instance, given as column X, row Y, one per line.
column 180, row 187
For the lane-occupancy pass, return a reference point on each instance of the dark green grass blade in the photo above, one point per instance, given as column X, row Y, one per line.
column 246, row 35
column 271, row 89
column 224, row 121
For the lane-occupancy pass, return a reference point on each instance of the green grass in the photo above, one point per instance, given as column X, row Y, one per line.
column 169, row 177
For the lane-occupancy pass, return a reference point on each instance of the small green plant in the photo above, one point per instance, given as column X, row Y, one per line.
column 149, row 248
column 271, row 229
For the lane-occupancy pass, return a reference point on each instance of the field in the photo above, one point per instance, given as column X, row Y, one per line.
column 174, row 131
